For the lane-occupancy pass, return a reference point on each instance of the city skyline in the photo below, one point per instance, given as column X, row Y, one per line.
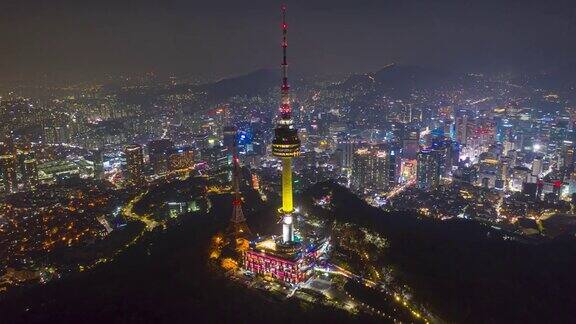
column 421, row 193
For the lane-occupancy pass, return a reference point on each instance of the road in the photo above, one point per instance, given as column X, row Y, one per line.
column 128, row 212
column 394, row 192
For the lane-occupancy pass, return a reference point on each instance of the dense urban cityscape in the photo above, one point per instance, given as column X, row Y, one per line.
column 409, row 194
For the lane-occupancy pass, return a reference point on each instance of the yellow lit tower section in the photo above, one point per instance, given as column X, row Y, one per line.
column 286, row 144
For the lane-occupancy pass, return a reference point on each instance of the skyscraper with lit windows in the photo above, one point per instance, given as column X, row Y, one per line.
column 428, row 169
column 8, row 165
column 98, row 159
column 158, row 153
column 373, row 168
column 30, row 172
column 134, row 164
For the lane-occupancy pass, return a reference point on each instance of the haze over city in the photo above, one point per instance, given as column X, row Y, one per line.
column 65, row 40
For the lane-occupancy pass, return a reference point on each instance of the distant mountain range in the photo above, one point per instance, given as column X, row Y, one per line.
column 250, row 84
column 399, row 80
column 395, row 79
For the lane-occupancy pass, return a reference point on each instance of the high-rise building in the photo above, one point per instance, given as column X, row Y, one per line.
column 229, row 139
column 508, row 146
column 158, row 151
column 347, row 154
column 27, row 166
column 466, row 174
column 448, row 154
column 373, row 168
column 134, row 164
column 30, row 173
column 393, row 166
column 56, row 134
column 221, row 116
column 489, row 171
column 98, row 159
column 568, row 155
column 428, row 169
column 537, row 166
column 8, row 166
column 361, row 169
column 216, row 157
column 461, row 125
column 181, row 159
column 411, row 144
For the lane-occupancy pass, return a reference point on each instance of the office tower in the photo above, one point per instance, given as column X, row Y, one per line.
column 181, row 159
column 520, row 175
column 229, row 139
column 98, row 159
column 466, row 174
column 27, row 166
column 8, row 165
column 216, row 157
column 568, row 155
column 57, row 134
column 428, row 169
column 134, row 164
column 461, row 125
column 347, row 154
column 489, row 171
column 361, row 167
column 411, row 144
column 30, row 172
column 393, row 167
column 373, row 168
column 158, row 151
column 448, row 154
column 537, row 166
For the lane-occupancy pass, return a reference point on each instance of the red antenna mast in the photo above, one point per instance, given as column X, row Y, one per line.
column 285, row 109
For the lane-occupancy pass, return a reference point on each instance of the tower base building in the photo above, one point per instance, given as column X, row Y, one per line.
column 291, row 263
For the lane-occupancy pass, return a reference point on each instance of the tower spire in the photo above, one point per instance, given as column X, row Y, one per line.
column 285, row 109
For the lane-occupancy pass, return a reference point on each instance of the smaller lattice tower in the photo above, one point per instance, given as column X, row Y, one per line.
column 238, row 227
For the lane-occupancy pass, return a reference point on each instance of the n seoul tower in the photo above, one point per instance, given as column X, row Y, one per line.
column 286, row 144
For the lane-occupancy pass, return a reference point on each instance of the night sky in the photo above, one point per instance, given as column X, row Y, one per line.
column 83, row 40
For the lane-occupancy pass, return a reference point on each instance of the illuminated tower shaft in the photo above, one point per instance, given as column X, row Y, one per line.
column 286, row 144
column 287, row 201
